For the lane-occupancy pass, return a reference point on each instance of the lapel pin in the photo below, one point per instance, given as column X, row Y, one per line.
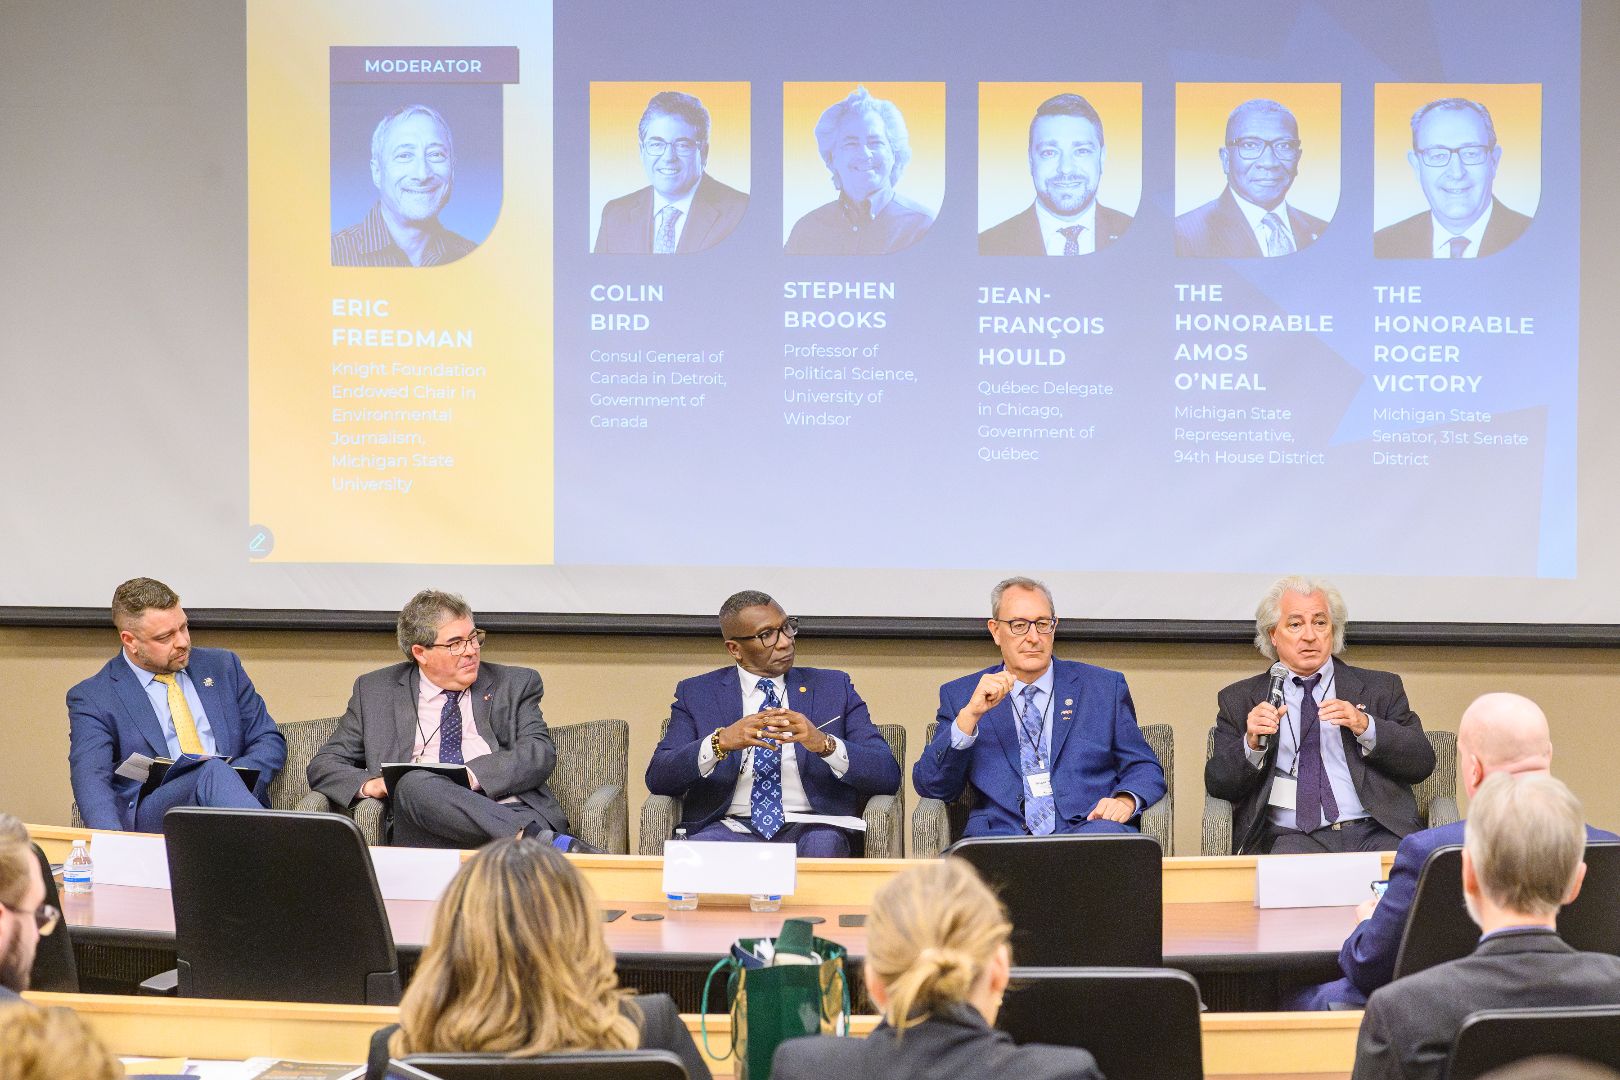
column 801, row 689
column 486, row 697
column 208, row 680
column 1068, row 701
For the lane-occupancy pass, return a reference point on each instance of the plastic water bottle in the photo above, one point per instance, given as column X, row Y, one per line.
column 77, row 872
column 762, row 902
column 682, row 901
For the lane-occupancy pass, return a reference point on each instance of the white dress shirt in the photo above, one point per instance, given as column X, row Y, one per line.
column 1442, row 236
column 1254, row 215
column 1051, row 224
column 794, row 800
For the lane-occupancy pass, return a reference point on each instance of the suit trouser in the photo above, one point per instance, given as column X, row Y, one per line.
column 435, row 811
column 1363, row 835
column 211, row 783
column 813, row 840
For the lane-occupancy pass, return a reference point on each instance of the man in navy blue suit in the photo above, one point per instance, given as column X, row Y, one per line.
column 1048, row 746
column 162, row 698
column 755, row 744
column 1499, row 733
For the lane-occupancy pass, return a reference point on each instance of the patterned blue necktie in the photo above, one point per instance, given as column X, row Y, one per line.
column 1040, row 813
column 765, row 801
column 1314, row 796
column 450, row 729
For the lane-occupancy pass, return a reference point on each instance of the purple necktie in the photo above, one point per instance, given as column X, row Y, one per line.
column 1071, row 238
column 1314, row 799
column 1458, row 245
column 450, row 729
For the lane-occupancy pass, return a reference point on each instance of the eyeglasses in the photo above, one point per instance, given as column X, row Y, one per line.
column 1250, row 149
column 1438, row 157
column 45, row 917
column 1020, row 627
column 459, row 646
column 769, row 636
column 658, row 147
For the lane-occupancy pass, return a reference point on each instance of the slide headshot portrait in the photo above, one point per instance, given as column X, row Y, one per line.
column 1066, row 154
column 413, row 168
column 682, row 208
column 1261, row 151
column 864, row 142
column 1456, row 156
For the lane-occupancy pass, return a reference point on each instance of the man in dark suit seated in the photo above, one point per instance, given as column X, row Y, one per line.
column 445, row 704
column 1339, row 776
column 1048, row 746
column 682, row 209
column 161, row 698
column 1521, row 862
column 24, row 916
column 1499, row 733
column 1454, row 156
column 755, row 745
column 1252, row 216
column 1066, row 157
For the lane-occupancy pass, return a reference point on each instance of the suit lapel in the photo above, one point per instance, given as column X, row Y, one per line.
column 1235, row 231
column 1304, row 235
column 998, row 723
column 800, row 699
column 139, row 708
column 700, row 219
column 482, row 690
column 214, row 705
column 1066, row 704
column 405, row 694
column 1347, row 687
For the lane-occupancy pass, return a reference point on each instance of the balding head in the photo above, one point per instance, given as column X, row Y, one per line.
column 1504, row 733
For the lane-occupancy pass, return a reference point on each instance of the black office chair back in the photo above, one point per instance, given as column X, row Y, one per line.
column 1438, row 928
column 54, row 966
column 581, row 1065
column 1076, row 901
column 1496, row 1037
column 1139, row 1023
column 277, row 905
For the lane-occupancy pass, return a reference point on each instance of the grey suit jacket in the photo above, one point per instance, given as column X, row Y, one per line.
column 1218, row 230
column 1410, row 1025
column 1021, row 233
column 1411, row 238
column 380, row 725
column 626, row 227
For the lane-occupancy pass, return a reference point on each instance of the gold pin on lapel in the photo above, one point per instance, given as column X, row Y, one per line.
column 802, row 689
column 208, row 680
column 1068, row 701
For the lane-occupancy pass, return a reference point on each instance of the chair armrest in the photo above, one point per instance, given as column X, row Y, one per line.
column 1156, row 823
column 317, row 803
column 163, row 984
column 930, row 828
column 604, row 820
column 659, row 816
column 1217, row 826
column 885, row 832
column 1443, row 811
column 368, row 815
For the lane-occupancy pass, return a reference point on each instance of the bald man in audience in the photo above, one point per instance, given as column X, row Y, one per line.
column 1521, row 863
column 1499, row 733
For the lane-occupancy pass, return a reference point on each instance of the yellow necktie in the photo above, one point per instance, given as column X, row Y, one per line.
column 185, row 728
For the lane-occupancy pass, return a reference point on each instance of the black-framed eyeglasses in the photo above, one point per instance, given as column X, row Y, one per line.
column 770, row 635
column 1020, row 627
column 1250, row 148
column 459, row 646
column 45, row 917
column 1438, row 157
column 659, row 147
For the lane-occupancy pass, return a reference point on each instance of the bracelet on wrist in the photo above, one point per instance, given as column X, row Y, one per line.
column 714, row 744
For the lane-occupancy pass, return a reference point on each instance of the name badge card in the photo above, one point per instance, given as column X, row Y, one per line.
column 1283, row 790
column 1040, row 784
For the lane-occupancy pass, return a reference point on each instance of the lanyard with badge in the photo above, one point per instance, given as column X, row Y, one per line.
column 1040, row 782
column 1285, row 785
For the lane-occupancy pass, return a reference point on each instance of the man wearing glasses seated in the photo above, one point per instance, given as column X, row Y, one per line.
column 1252, row 216
column 753, row 747
column 444, row 704
column 1454, row 156
column 1048, row 746
column 682, row 209
column 25, row 917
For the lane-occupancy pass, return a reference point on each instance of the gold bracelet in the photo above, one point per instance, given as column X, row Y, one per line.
column 714, row 744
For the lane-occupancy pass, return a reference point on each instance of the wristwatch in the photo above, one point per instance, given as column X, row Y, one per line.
column 832, row 747
column 714, row 744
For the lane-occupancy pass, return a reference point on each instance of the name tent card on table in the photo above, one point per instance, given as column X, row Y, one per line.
column 130, row 859
column 1294, row 881
column 414, row 873
column 696, row 866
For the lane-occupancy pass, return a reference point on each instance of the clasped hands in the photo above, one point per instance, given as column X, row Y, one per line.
column 770, row 728
column 1264, row 719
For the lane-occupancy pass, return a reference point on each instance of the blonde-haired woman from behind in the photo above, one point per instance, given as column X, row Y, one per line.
column 937, row 963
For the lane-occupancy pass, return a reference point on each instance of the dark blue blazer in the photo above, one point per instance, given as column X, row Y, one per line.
column 706, row 702
column 110, row 717
column 1097, row 750
column 1367, row 957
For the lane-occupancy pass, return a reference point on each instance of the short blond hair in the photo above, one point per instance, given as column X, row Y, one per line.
column 1525, row 835
column 932, row 932
column 52, row 1044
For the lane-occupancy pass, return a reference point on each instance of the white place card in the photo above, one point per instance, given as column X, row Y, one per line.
column 1283, row 881
column 414, row 873
column 696, row 866
column 136, row 859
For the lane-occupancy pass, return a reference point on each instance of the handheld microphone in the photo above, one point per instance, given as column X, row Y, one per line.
column 1274, row 695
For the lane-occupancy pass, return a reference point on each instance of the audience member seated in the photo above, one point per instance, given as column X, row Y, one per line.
column 1521, row 862
column 483, row 716
column 1332, row 768
column 517, row 965
column 1547, row 1067
column 52, row 1044
column 750, row 743
column 162, row 698
column 1047, row 746
column 937, row 963
column 1498, row 733
column 24, row 915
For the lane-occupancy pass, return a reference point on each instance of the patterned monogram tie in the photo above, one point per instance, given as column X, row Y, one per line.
column 185, row 728
column 450, row 729
column 1278, row 242
column 1458, row 245
column 1315, row 799
column 765, row 801
column 1071, row 238
column 1040, row 815
column 664, row 242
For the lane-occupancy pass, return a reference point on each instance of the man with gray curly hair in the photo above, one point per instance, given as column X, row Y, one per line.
column 865, row 144
column 1314, row 754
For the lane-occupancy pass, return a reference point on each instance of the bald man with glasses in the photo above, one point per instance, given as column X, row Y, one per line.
column 754, row 745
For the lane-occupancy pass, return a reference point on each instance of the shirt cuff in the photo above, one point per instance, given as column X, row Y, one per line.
column 706, row 759
column 1257, row 758
column 1369, row 738
column 961, row 740
column 838, row 760
column 472, row 780
column 1137, row 799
